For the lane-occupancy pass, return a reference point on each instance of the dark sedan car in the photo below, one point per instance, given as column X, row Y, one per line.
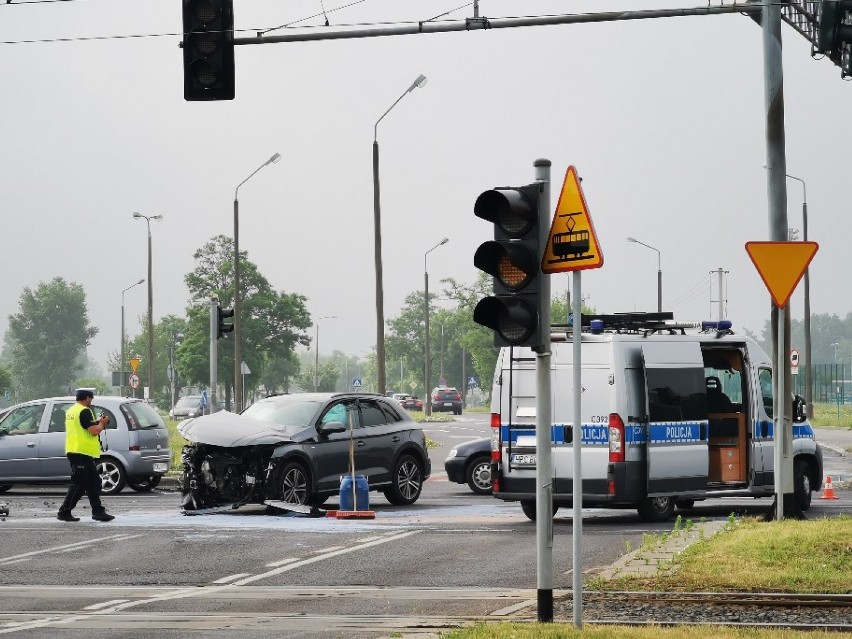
column 295, row 448
column 470, row 463
column 409, row 402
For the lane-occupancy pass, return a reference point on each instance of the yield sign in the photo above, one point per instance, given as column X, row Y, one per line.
column 572, row 244
column 781, row 265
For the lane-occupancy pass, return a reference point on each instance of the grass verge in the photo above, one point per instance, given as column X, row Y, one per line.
column 755, row 556
column 825, row 416
column 566, row 631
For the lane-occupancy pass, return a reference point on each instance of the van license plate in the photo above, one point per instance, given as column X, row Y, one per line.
column 523, row 460
column 160, row 468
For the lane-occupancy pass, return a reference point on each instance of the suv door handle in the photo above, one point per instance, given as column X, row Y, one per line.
column 395, row 438
column 361, row 442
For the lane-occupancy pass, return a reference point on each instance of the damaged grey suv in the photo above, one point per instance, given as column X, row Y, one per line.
column 295, row 448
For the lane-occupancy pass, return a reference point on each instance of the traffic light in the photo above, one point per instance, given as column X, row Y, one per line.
column 208, row 50
column 833, row 29
column 514, row 259
column 222, row 327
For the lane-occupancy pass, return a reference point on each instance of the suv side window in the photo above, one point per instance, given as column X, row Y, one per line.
column 371, row 414
column 390, row 413
column 23, row 421
column 339, row 413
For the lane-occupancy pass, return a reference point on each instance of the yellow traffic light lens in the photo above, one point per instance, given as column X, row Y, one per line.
column 510, row 275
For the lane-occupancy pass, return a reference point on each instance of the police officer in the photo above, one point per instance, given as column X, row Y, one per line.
column 83, row 447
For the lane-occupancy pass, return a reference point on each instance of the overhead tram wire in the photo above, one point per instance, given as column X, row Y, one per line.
column 260, row 32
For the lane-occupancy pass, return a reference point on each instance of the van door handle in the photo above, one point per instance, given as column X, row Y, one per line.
column 31, row 444
column 639, row 419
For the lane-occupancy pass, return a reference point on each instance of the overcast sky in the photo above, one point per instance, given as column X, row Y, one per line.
column 664, row 120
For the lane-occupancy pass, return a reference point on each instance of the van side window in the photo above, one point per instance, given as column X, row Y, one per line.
column 676, row 394
column 765, row 378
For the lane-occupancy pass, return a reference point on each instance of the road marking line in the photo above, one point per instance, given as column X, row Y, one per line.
column 275, row 564
column 104, row 604
column 17, row 561
column 331, row 549
column 75, row 545
column 225, row 580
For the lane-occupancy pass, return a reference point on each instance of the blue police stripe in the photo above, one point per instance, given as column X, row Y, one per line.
column 800, row 431
column 674, row 432
column 593, row 434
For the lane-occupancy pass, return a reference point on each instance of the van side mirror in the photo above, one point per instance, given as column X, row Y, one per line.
column 799, row 414
column 331, row 427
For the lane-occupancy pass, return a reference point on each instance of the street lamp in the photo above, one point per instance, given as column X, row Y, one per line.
column 427, row 389
column 316, row 351
column 377, row 234
column 659, row 273
column 121, row 364
column 807, row 320
column 238, row 357
column 148, row 218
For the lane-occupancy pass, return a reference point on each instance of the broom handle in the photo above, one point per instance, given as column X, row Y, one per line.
column 352, row 460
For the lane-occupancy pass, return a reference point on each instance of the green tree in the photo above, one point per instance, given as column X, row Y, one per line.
column 97, row 383
column 47, row 337
column 328, row 376
column 167, row 332
column 272, row 323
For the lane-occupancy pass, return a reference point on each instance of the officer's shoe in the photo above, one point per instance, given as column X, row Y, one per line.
column 104, row 516
column 67, row 517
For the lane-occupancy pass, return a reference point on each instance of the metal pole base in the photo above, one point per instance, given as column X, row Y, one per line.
column 545, row 605
column 791, row 509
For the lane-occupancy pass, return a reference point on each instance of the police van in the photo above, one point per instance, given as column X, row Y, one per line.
column 671, row 414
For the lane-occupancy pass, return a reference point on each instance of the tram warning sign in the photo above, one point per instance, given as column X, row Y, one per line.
column 572, row 244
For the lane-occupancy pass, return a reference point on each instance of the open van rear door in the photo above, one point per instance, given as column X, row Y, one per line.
column 677, row 418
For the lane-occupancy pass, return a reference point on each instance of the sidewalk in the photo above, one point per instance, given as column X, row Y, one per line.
column 837, row 439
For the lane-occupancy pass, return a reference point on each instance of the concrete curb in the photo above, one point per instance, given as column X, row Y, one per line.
column 644, row 562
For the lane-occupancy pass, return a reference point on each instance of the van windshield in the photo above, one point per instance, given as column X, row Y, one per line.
column 190, row 401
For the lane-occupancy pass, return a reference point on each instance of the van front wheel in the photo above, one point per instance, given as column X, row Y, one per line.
column 656, row 509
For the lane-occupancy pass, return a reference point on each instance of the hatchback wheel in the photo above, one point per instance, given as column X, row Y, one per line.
column 146, row 484
column 293, row 484
column 407, row 482
column 113, row 477
column 479, row 475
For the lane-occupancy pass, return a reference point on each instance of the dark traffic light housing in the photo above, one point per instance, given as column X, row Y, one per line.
column 208, row 50
column 222, row 327
column 834, row 32
column 513, row 258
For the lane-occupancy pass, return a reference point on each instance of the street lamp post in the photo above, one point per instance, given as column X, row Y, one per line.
column 377, row 234
column 659, row 273
column 316, row 351
column 238, row 357
column 428, row 358
column 123, row 340
column 807, row 320
column 148, row 219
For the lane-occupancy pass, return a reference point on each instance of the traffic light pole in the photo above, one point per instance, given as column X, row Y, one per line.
column 214, row 351
column 543, row 418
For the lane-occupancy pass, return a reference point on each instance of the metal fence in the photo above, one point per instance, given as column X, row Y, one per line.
column 829, row 383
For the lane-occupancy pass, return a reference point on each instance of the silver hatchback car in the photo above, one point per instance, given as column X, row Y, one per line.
column 32, row 444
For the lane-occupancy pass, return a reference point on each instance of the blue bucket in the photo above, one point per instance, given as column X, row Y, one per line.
column 362, row 493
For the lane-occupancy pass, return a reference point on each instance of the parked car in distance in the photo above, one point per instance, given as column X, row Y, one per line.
column 32, row 444
column 295, row 448
column 186, row 407
column 408, row 402
column 446, row 398
column 470, row 463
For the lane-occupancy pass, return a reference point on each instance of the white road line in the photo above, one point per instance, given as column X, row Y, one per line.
column 17, row 561
column 331, row 549
column 229, row 578
column 275, row 564
column 104, row 604
column 75, row 545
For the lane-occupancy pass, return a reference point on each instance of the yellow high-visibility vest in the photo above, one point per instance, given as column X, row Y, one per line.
column 77, row 438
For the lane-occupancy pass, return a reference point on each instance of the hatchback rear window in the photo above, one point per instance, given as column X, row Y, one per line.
column 140, row 416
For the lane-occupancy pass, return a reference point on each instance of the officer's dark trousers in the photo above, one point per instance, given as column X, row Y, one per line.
column 84, row 479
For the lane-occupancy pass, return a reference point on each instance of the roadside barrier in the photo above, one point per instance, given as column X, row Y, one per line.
column 828, row 491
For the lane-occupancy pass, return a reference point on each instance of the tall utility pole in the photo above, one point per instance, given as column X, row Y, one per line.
column 214, row 352
column 720, row 273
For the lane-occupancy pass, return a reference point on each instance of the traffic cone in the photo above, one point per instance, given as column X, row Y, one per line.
column 828, row 491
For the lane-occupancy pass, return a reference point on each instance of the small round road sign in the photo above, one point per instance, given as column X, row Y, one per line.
column 794, row 358
column 134, row 381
